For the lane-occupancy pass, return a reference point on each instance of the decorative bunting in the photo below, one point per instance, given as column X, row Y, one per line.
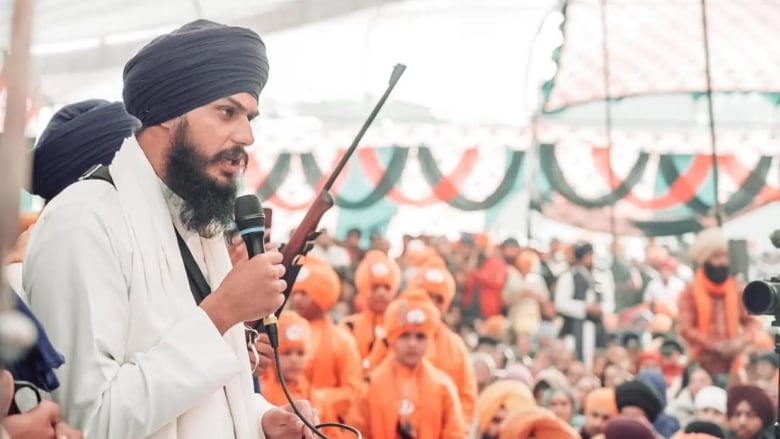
column 553, row 172
column 683, row 194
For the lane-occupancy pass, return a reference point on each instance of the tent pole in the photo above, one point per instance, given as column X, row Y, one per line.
column 531, row 165
column 718, row 212
column 608, row 113
column 12, row 146
column 17, row 332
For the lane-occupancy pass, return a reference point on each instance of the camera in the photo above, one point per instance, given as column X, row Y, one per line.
column 762, row 297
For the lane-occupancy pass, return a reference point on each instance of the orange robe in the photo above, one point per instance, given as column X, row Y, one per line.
column 273, row 393
column 436, row 415
column 447, row 352
column 272, row 389
column 366, row 327
column 334, row 370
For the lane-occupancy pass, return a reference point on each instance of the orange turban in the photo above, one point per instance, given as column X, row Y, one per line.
column 419, row 254
column 512, row 395
column 495, row 327
column 602, row 398
column 435, row 278
column 526, row 261
column 294, row 332
column 377, row 269
column 482, row 240
column 538, row 423
column 412, row 312
column 319, row 281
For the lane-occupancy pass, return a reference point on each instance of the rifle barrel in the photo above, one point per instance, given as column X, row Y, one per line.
column 398, row 70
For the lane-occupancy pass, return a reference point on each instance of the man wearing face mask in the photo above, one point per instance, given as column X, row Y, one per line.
column 712, row 318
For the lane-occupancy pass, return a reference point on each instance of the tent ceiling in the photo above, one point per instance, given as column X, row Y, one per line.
column 86, row 35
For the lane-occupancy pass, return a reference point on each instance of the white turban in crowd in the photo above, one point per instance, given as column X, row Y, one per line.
column 707, row 242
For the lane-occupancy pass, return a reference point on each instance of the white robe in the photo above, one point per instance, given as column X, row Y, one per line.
column 105, row 277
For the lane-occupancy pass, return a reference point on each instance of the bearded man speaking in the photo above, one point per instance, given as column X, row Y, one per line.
column 147, row 357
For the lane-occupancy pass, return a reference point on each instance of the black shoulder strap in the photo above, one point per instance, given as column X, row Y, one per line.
column 199, row 286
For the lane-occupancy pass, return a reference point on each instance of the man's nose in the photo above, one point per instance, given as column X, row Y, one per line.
column 243, row 134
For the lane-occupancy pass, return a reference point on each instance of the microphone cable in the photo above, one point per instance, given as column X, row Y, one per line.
column 273, row 337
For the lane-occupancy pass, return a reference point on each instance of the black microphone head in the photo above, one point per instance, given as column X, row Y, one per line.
column 775, row 238
column 248, row 212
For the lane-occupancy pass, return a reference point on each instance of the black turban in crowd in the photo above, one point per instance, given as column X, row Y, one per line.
column 624, row 427
column 582, row 249
column 706, row 428
column 758, row 399
column 78, row 137
column 638, row 394
column 192, row 66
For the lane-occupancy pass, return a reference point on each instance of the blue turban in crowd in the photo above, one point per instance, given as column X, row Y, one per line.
column 192, row 66
column 664, row 424
column 78, row 137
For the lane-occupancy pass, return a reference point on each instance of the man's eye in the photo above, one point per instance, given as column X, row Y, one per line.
column 228, row 112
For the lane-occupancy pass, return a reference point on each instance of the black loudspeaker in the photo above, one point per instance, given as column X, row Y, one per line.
column 738, row 258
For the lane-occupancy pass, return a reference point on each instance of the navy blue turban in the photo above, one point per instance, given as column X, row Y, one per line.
column 78, row 137
column 192, row 66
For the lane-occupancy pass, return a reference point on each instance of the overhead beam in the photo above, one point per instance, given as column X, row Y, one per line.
column 285, row 16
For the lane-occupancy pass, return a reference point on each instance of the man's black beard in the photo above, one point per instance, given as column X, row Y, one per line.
column 207, row 207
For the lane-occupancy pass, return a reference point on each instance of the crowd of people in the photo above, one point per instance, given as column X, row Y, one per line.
column 540, row 340
column 144, row 297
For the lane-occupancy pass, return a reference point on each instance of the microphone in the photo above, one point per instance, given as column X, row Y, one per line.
column 775, row 238
column 250, row 222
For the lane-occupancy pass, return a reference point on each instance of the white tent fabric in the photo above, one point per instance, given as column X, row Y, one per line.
column 466, row 58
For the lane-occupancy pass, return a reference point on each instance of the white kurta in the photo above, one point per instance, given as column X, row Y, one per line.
column 13, row 275
column 105, row 277
column 566, row 305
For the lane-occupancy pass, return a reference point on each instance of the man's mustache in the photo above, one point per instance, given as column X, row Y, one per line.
column 235, row 155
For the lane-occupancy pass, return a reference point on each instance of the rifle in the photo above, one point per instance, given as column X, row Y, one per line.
column 302, row 239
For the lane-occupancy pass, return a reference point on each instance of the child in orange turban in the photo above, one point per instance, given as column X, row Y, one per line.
column 405, row 392
column 446, row 350
column 294, row 347
column 377, row 279
column 334, row 369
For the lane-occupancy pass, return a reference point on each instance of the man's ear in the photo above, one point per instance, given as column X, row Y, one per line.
column 173, row 124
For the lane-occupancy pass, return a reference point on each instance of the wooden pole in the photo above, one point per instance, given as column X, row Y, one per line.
column 14, row 167
column 718, row 212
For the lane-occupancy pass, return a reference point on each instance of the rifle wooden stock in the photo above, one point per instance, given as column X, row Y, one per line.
column 301, row 241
